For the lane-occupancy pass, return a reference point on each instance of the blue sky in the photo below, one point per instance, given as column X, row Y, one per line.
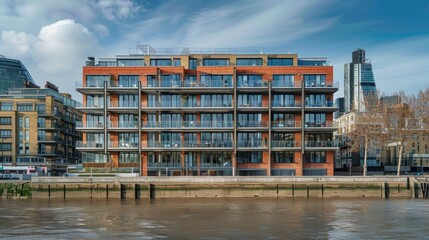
column 53, row 38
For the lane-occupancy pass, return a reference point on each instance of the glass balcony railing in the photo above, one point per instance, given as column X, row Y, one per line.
column 123, row 145
column 325, row 124
column 90, row 144
column 226, row 163
column 285, row 124
column 253, row 84
column 164, row 164
column 285, row 144
column 188, row 124
column 90, row 124
column 189, row 105
column 187, row 144
column 124, row 104
column 251, row 144
column 123, row 124
column 321, row 83
column 286, row 104
column 321, row 144
column 319, row 104
column 247, row 124
column 253, row 104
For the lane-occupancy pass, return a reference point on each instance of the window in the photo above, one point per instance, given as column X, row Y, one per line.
column 21, row 148
column 216, row 159
column 128, row 157
column 283, row 157
column 27, row 148
column 249, row 157
column 315, row 157
column 27, row 122
column 249, row 81
column 97, row 80
column 317, row 100
column 216, row 62
column 315, row 119
column 216, row 80
column 27, row 135
column 249, row 140
column 128, row 100
column 216, row 139
column 94, row 101
column 160, row 62
column 249, row 100
column 173, row 80
column 249, row 62
column 250, row 120
column 171, row 120
column 130, row 62
column 5, row 120
column 20, row 135
column 176, row 62
column 41, row 122
column 192, row 63
column 173, row 100
column 216, row 120
column 25, row 107
column 283, row 81
column 41, row 108
column 5, row 146
column 128, row 140
column 283, row 100
column 283, row 120
column 216, row 100
column 282, row 139
column 280, row 62
column 6, row 106
column 314, row 80
column 5, row 133
column 128, row 81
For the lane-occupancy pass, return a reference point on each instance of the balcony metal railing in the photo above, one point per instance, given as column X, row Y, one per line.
column 187, row 124
column 258, row 84
column 286, row 104
column 247, row 124
column 321, row 144
column 325, row 124
column 187, row 144
column 253, row 104
column 89, row 144
column 252, row 144
column 320, row 104
column 164, row 164
column 285, row 144
column 226, row 164
column 90, row 124
column 319, row 84
column 189, row 105
column 285, row 124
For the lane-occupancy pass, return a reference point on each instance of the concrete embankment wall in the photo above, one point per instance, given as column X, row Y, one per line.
column 190, row 187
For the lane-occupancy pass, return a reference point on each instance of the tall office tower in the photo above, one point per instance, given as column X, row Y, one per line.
column 38, row 129
column 211, row 112
column 339, row 104
column 359, row 83
column 13, row 74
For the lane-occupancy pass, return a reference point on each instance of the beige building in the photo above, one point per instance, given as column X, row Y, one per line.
column 37, row 128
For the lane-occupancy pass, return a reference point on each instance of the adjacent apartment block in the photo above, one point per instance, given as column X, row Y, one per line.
column 208, row 112
column 38, row 128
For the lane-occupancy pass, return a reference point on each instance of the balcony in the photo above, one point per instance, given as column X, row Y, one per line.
column 252, row 124
column 90, row 125
column 317, row 106
column 123, row 125
column 285, row 144
column 321, row 144
column 279, row 124
column 186, row 106
column 209, row 125
column 164, row 165
column 122, row 146
column 326, row 125
column 177, row 146
column 324, row 86
column 252, row 144
column 89, row 145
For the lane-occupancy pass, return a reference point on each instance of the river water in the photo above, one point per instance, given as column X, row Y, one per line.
column 238, row 218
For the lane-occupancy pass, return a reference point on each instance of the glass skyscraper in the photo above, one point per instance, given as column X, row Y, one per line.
column 359, row 83
column 13, row 74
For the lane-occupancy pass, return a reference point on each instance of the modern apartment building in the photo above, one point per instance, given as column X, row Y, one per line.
column 38, row 128
column 208, row 112
column 13, row 74
column 359, row 83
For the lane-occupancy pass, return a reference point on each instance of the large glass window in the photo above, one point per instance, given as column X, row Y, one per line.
column 173, row 80
column 249, row 81
column 128, row 100
column 249, row 157
column 313, row 80
column 128, row 81
column 216, row 62
column 283, row 157
column 5, row 133
column 317, row 100
column 128, row 139
column 169, row 120
column 216, row 139
column 160, row 62
column 216, row 100
column 250, row 140
column 41, row 108
column 283, row 81
column 176, row 62
column 315, row 119
column 125, row 157
column 249, row 62
column 6, row 106
column 25, row 107
column 94, row 120
column 280, row 61
column 97, row 80
column 94, row 100
column 315, row 157
column 282, row 139
column 216, row 159
column 283, row 120
column 171, row 100
column 216, row 80
column 5, row 120
column 192, row 63
column 250, row 120
column 283, row 100
column 249, row 100
column 216, row 120
column 128, row 120
column 171, row 140
column 130, row 62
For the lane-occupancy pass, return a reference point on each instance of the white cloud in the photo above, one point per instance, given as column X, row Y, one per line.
column 101, row 30
column 118, row 9
column 56, row 54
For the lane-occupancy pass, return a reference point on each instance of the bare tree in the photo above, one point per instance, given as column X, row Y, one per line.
column 367, row 131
